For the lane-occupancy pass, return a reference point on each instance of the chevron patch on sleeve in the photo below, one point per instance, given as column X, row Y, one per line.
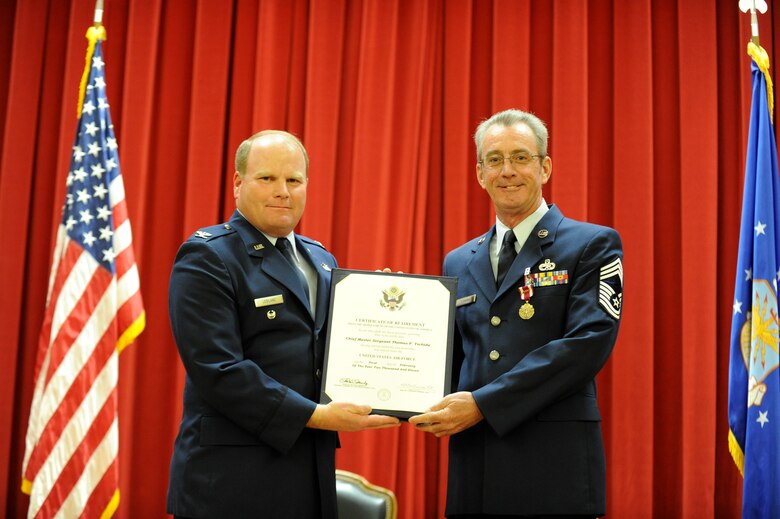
column 611, row 287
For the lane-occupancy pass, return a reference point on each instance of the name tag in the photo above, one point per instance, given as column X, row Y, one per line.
column 270, row 300
column 466, row 300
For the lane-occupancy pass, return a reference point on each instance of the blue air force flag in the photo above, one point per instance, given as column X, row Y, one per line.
column 754, row 385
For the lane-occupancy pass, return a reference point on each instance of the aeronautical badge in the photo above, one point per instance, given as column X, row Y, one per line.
column 611, row 287
column 392, row 299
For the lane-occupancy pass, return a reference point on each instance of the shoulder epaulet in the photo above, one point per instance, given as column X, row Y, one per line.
column 211, row 232
column 306, row 239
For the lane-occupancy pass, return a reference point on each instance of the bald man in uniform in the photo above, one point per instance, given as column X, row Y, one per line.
column 248, row 305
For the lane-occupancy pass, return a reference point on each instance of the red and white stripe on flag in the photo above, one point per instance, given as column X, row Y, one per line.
column 93, row 310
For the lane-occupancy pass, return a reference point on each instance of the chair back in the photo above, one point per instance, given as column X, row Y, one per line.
column 359, row 499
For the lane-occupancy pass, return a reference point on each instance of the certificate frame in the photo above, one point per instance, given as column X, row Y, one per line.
column 389, row 341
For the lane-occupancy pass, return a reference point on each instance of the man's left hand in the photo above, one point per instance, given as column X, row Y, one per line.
column 453, row 414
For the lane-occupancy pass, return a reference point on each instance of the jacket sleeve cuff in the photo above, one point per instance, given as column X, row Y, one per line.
column 287, row 423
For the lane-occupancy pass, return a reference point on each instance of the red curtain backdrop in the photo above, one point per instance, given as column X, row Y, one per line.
column 647, row 103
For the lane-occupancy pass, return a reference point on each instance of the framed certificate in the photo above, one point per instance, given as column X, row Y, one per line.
column 389, row 342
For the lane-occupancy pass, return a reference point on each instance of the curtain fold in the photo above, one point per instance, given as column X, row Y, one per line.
column 634, row 391
column 647, row 105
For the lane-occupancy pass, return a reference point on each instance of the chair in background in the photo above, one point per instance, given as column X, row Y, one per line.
column 359, row 499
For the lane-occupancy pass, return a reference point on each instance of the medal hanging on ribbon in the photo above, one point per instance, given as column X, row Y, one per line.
column 526, row 291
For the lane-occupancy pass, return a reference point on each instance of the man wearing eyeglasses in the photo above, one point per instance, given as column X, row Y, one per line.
column 538, row 311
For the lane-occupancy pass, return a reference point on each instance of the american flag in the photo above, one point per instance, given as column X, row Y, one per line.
column 93, row 310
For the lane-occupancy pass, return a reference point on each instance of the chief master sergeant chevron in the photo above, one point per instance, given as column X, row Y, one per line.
column 538, row 310
column 249, row 317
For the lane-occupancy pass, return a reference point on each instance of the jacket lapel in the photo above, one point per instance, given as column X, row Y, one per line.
column 531, row 254
column 323, row 269
column 479, row 265
column 274, row 264
column 321, row 266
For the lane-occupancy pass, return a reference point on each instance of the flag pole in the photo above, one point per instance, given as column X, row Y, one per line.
column 99, row 13
column 753, row 23
column 744, row 6
column 94, row 33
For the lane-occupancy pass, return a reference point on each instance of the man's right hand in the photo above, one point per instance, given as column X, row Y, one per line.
column 343, row 416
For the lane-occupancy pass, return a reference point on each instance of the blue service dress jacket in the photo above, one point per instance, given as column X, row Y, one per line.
column 539, row 449
column 253, row 354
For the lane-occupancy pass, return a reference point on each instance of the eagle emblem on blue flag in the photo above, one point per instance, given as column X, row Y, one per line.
column 611, row 287
column 759, row 340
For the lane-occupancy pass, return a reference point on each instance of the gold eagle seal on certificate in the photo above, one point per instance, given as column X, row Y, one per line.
column 392, row 298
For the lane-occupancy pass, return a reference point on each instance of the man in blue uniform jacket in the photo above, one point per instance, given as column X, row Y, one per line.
column 249, row 321
column 538, row 310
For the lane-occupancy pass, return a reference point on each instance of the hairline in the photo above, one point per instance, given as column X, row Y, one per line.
column 242, row 152
column 509, row 118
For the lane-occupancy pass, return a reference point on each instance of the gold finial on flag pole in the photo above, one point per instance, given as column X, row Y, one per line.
column 752, row 5
column 97, row 31
column 94, row 33
column 98, row 13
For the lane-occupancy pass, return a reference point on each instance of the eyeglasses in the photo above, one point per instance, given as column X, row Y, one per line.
column 496, row 162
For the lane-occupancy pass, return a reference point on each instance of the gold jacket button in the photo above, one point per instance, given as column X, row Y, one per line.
column 494, row 355
column 495, row 320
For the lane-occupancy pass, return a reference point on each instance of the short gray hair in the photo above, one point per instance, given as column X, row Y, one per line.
column 510, row 118
column 242, row 153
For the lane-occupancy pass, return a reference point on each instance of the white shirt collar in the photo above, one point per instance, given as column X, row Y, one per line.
column 522, row 230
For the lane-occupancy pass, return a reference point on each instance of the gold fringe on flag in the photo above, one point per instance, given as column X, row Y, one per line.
column 761, row 58
column 93, row 35
column 736, row 453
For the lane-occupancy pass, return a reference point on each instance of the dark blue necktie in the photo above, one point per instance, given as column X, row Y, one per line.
column 284, row 246
column 506, row 256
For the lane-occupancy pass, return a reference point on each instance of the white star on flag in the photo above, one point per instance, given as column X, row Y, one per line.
column 106, row 233
column 94, row 149
column 89, row 239
column 100, row 191
column 86, row 216
column 97, row 170
column 78, row 154
column 82, row 196
column 760, row 228
column 104, row 213
column 91, row 129
column 88, row 108
column 79, row 175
